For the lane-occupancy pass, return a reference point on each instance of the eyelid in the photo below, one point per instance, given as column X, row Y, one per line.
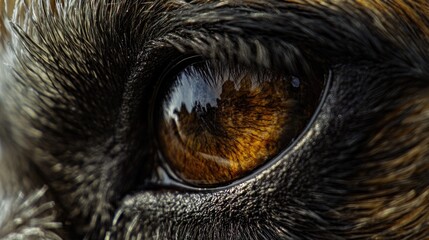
column 255, row 52
column 322, row 29
column 167, row 181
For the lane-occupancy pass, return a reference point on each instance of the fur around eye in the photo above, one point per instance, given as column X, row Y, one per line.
column 96, row 142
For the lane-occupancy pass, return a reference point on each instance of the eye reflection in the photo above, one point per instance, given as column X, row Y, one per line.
column 218, row 123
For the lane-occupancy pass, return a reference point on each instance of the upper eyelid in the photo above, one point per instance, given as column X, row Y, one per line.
column 334, row 31
column 232, row 48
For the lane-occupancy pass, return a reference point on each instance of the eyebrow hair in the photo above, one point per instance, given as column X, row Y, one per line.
column 334, row 29
column 340, row 31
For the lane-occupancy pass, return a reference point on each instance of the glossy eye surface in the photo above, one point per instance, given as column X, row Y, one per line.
column 218, row 123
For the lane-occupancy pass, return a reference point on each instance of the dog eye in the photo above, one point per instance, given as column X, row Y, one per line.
column 218, row 123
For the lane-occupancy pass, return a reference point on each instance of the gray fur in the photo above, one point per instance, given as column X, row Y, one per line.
column 76, row 85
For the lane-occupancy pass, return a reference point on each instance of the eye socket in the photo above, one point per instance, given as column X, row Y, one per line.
column 218, row 123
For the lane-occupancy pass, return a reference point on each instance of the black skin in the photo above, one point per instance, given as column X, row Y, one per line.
column 106, row 74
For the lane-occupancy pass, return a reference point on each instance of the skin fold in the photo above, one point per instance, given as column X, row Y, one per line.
column 77, row 83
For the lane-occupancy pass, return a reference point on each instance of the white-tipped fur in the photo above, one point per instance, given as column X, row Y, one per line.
column 25, row 213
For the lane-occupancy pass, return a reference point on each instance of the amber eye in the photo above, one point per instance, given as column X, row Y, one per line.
column 219, row 123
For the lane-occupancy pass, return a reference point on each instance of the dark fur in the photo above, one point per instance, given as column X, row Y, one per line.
column 74, row 133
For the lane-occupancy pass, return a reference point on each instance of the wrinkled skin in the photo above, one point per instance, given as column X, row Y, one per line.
column 75, row 90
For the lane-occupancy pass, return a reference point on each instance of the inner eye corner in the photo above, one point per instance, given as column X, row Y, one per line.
column 217, row 124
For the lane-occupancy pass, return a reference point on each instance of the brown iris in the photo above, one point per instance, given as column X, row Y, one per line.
column 218, row 124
